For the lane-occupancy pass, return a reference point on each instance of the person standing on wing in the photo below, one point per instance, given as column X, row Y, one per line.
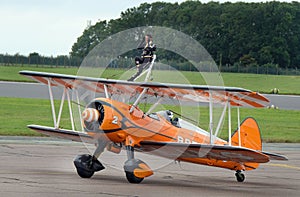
column 146, row 57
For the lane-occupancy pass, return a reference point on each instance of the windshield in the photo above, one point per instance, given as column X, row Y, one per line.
column 184, row 124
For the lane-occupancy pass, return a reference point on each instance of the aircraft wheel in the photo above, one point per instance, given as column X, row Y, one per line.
column 132, row 178
column 87, row 165
column 84, row 173
column 240, row 177
column 136, row 170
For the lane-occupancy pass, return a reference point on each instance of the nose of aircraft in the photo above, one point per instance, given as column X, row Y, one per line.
column 90, row 115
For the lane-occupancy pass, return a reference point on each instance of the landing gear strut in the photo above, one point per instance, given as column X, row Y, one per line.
column 87, row 165
column 135, row 169
column 240, row 177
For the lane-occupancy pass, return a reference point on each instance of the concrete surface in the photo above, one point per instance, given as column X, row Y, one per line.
column 44, row 167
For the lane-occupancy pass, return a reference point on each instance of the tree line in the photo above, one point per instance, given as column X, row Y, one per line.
column 35, row 58
column 243, row 35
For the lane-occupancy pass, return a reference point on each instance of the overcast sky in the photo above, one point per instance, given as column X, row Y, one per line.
column 50, row 27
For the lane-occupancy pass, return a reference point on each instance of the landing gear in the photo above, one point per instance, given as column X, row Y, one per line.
column 129, row 167
column 135, row 169
column 240, row 177
column 87, row 165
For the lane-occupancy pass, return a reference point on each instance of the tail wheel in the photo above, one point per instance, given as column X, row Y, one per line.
column 132, row 178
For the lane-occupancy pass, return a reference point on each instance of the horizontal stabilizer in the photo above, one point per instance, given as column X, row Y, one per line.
column 219, row 152
column 62, row 133
column 274, row 156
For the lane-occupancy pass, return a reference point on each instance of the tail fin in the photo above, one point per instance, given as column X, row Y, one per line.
column 250, row 138
column 249, row 135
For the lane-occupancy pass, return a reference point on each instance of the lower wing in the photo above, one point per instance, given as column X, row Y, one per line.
column 206, row 151
column 175, row 150
column 62, row 133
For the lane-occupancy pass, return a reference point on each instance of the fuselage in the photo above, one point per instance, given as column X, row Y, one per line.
column 117, row 123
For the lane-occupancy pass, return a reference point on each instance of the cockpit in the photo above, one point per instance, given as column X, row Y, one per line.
column 177, row 122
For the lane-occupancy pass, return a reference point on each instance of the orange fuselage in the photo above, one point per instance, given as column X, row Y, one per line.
column 118, row 124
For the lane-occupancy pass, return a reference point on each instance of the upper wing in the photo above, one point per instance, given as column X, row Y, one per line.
column 195, row 93
column 219, row 152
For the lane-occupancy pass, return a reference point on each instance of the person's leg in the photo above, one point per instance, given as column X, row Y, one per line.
column 139, row 66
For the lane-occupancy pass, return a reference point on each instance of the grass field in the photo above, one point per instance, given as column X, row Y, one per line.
column 16, row 113
column 260, row 83
column 276, row 125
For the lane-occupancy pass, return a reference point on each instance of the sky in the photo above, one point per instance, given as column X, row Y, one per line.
column 51, row 27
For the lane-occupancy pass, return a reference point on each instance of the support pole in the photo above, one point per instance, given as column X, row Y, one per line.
column 52, row 103
column 61, row 107
column 79, row 110
column 138, row 100
column 229, row 122
column 70, row 110
column 130, row 152
column 154, row 106
column 220, row 121
column 150, row 69
column 211, row 124
column 106, row 91
column 239, row 125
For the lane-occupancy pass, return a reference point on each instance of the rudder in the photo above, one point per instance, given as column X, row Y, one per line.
column 250, row 135
column 250, row 138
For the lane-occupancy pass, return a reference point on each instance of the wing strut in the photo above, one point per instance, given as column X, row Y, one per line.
column 106, row 91
column 70, row 109
column 56, row 122
column 61, row 108
column 239, row 125
column 229, row 122
column 52, row 103
column 211, row 123
column 221, row 120
column 79, row 109
column 138, row 100
column 154, row 106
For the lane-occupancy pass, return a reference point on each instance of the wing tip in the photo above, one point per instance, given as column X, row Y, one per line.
column 274, row 156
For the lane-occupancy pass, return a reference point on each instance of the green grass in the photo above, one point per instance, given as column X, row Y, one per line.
column 276, row 125
column 11, row 73
column 17, row 113
column 255, row 82
column 264, row 83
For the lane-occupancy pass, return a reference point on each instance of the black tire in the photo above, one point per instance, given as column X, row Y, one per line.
column 84, row 173
column 132, row 178
column 240, row 177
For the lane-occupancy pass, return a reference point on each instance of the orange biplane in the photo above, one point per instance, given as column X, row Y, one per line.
column 113, row 125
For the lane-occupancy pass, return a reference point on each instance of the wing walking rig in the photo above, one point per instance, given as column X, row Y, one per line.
column 112, row 124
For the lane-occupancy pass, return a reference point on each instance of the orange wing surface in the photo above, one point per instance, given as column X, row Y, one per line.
column 205, row 151
column 195, row 93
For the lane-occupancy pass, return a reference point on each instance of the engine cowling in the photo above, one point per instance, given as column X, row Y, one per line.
column 93, row 116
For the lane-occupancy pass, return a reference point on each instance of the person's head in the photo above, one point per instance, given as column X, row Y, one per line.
column 148, row 37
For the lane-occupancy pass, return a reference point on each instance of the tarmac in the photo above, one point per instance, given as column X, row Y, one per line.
column 44, row 167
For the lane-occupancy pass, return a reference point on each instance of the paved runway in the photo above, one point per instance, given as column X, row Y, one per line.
column 43, row 167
